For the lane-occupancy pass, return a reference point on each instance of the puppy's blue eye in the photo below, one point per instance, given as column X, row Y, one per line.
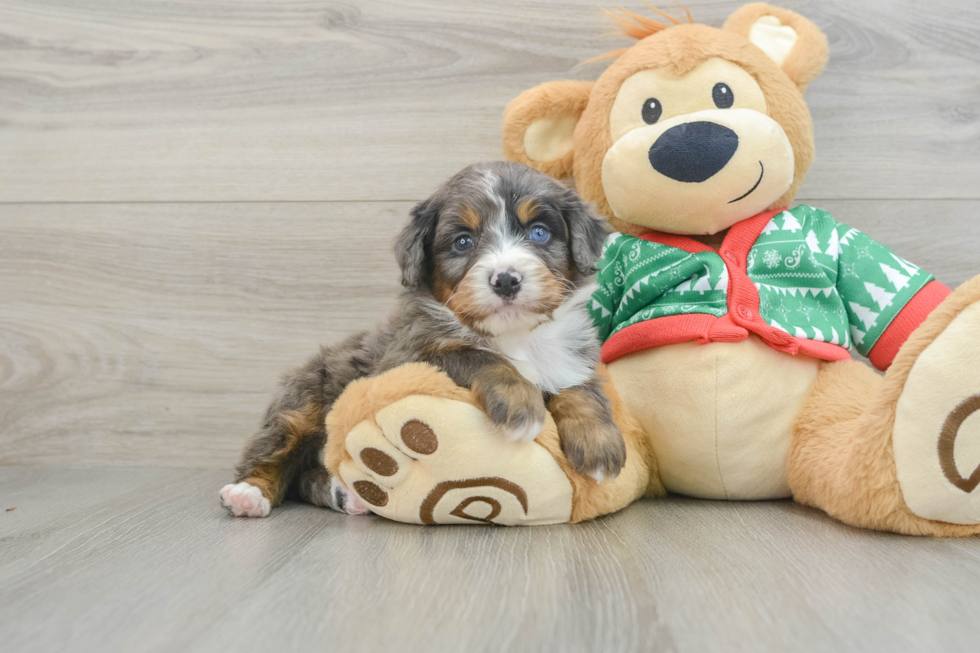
column 462, row 243
column 539, row 234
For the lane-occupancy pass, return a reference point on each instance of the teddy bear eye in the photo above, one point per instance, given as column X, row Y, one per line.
column 652, row 110
column 722, row 95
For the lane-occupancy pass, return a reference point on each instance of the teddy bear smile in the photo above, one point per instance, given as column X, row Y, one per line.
column 762, row 172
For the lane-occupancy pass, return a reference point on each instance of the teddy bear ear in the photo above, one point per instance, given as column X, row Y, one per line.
column 539, row 126
column 797, row 46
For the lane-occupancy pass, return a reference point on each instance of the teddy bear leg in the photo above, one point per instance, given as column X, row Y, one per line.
column 899, row 453
column 416, row 448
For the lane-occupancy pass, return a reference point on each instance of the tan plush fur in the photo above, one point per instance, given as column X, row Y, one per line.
column 810, row 52
column 638, row 478
column 365, row 397
column 679, row 50
column 842, row 460
column 841, row 456
column 551, row 100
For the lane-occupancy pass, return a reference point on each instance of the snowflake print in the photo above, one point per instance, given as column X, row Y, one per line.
column 864, row 252
column 849, row 270
column 771, row 258
column 806, row 311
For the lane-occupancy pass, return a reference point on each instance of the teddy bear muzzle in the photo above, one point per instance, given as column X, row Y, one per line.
column 698, row 173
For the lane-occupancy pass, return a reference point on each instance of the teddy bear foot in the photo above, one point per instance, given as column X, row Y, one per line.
column 937, row 426
column 430, row 460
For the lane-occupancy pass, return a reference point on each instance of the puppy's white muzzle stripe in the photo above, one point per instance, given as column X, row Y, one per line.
column 518, row 312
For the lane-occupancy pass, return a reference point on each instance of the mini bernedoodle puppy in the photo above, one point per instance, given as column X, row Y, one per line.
column 497, row 268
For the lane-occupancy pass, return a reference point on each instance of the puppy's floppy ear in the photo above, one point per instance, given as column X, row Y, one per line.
column 413, row 247
column 539, row 126
column 797, row 46
column 586, row 232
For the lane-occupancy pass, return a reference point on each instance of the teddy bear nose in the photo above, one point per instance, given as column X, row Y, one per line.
column 694, row 151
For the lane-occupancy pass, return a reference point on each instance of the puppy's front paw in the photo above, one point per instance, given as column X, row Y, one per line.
column 516, row 406
column 245, row 500
column 594, row 448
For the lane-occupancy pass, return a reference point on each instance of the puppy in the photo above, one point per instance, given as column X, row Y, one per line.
column 496, row 267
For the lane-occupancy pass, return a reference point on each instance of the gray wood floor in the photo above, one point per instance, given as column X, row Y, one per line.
column 194, row 194
column 146, row 560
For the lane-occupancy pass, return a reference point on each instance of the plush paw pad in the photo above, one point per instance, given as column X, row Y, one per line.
column 937, row 426
column 245, row 500
column 432, row 461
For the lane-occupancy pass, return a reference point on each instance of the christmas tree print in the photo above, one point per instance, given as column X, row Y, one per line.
column 813, row 242
column 865, row 315
column 857, row 335
column 704, row 282
column 848, row 235
column 881, row 296
column 833, row 247
column 908, row 267
column 790, row 223
column 897, row 279
column 817, row 280
column 723, row 281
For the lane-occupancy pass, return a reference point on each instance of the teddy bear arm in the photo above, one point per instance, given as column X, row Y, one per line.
column 885, row 297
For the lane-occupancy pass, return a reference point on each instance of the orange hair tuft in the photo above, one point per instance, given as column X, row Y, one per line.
column 639, row 27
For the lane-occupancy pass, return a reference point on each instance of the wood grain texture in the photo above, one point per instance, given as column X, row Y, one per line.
column 146, row 560
column 341, row 100
column 153, row 334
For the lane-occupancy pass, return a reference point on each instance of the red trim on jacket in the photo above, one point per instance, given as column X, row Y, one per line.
column 743, row 305
column 908, row 320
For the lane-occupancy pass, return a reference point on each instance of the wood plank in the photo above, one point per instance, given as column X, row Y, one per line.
column 149, row 334
column 126, row 559
column 341, row 100
column 153, row 334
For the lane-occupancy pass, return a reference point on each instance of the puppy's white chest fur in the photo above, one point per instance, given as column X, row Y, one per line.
column 558, row 354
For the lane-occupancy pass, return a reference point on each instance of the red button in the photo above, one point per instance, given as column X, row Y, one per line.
column 745, row 313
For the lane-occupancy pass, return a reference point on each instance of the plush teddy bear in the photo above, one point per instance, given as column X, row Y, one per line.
column 726, row 315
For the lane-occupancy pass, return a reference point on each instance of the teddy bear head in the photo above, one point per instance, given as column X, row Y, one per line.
column 690, row 130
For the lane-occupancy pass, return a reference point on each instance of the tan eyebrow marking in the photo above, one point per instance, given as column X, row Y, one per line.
column 470, row 217
column 527, row 210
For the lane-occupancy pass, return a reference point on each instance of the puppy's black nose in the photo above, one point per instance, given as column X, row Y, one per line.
column 694, row 151
column 506, row 284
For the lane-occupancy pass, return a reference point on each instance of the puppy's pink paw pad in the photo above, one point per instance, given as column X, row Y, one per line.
column 245, row 500
column 343, row 500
